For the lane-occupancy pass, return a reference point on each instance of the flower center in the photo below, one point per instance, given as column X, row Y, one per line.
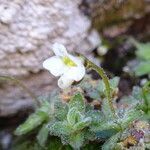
column 67, row 61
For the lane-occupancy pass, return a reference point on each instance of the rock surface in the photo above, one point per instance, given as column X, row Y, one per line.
column 108, row 13
column 29, row 28
column 27, row 31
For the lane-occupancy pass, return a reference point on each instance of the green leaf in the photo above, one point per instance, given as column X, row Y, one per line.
column 101, row 86
column 106, row 109
column 82, row 124
column 34, row 120
column 93, row 93
column 133, row 100
column 77, row 101
column 56, row 144
column 136, row 93
column 76, row 140
column 114, row 82
column 73, row 116
column 105, row 125
column 27, row 145
column 143, row 50
column 43, row 135
column 105, row 134
column 111, row 143
column 61, row 111
column 96, row 116
column 60, row 128
column 143, row 68
column 130, row 116
column 90, row 87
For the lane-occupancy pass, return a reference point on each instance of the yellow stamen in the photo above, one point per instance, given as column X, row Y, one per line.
column 67, row 61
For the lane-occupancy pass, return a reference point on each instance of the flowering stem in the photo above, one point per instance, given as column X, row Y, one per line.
column 22, row 86
column 105, row 79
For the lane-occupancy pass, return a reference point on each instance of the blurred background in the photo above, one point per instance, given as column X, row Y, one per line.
column 102, row 30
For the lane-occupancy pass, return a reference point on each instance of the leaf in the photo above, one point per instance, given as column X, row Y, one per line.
column 90, row 87
column 26, row 145
column 73, row 116
column 93, row 93
column 129, row 117
column 105, row 125
column 60, row 128
column 110, row 143
column 143, row 68
column 56, row 144
column 143, row 50
column 77, row 101
column 25, row 142
column 34, row 120
column 43, row 135
column 95, row 115
column 82, row 124
column 89, row 136
column 106, row 109
column 114, row 82
column 77, row 140
column 61, row 111
column 133, row 100
column 136, row 93
column 101, row 86
column 105, row 134
column 94, row 146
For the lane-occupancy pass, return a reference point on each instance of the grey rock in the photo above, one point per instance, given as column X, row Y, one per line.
column 27, row 31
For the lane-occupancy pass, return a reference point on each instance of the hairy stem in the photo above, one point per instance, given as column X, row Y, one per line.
column 105, row 79
column 8, row 78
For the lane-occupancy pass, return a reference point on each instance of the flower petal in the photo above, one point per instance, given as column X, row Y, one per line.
column 55, row 66
column 64, row 82
column 59, row 50
column 76, row 60
column 76, row 73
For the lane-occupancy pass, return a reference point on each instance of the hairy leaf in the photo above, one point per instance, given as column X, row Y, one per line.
column 60, row 128
column 105, row 125
column 43, row 135
column 82, row 124
column 130, row 116
column 110, row 143
column 77, row 101
column 61, row 111
column 34, row 119
column 74, row 116
column 77, row 140
column 114, row 82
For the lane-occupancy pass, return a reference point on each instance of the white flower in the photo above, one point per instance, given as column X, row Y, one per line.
column 68, row 67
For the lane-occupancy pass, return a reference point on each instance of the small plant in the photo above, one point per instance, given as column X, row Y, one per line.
column 142, row 64
column 86, row 115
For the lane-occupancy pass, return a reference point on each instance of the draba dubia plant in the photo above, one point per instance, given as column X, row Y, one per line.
column 85, row 115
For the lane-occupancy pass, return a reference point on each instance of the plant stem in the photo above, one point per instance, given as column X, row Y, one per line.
column 145, row 100
column 8, row 78
column 105, row 79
